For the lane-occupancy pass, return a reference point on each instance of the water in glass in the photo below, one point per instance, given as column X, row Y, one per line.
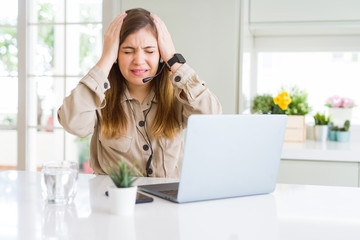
column 59, row 181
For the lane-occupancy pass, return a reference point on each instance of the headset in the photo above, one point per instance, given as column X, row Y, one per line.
column 149, row 171
column 145, row 80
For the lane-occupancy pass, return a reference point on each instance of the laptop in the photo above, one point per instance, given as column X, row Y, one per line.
column 226, row 156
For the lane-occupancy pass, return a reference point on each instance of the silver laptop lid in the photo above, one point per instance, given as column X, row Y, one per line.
column 231, row 155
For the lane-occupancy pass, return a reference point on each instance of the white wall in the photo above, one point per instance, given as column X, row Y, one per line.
column 305, row 17
column 277, row 11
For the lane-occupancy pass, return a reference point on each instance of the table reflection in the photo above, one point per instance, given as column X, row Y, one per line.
column 254, row 217
column 58, row 221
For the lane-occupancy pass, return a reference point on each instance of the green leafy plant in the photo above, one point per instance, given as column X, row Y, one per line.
column 263, row 104
column 320, row 119
column 299, row 104
column 84, row 150
column 121, row 176
column 8, row 120
column 8, row 57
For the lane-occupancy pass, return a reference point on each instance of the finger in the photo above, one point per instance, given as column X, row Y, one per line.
column 156, row 19
column 160, row 25
column 114, row 25
column 154, row 16
column 117, row 22
column 120, row 17
column 166, row 46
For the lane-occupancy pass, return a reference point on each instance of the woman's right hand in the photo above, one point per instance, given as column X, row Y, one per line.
column 111, row 44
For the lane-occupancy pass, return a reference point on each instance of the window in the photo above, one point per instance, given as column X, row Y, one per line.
column 8, row 82
column 321, row 74
column 63, row 41
column 324, row 65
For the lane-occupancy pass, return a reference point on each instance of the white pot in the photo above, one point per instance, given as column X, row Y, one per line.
column 339, row 115
column 122, row 200
column 321, row 132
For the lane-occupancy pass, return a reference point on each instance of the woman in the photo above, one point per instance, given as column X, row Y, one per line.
column 132, row 114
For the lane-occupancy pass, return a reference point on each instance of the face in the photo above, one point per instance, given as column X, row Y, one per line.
column 139, row 57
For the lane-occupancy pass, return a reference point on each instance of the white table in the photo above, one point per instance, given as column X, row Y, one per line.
column 291, row 212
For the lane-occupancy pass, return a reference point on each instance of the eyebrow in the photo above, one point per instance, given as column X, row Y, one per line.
column 132, row 48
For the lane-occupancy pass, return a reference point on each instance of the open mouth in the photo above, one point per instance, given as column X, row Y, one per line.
column 139, row 72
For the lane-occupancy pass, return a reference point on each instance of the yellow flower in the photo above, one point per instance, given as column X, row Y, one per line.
column 283, row 100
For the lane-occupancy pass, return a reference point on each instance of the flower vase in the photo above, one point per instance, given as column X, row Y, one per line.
column 295, row 129
column 122, row 200
column 342, row 136
column 321, row 133
column 339, row 115
column 332, row 135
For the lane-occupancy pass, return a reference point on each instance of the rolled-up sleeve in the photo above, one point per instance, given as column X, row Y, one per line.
column 193, row 94
column 78, row 112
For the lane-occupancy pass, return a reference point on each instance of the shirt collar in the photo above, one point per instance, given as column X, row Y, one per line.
column 151, row 97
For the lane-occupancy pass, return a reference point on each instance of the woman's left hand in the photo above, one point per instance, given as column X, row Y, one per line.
column 166, row 45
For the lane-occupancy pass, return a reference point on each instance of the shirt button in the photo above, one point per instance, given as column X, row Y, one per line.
column 177, row 79
column 141, row 123
column 146, row 147
column 106, row 85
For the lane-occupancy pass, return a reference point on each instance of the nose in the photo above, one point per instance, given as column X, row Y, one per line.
column 139, row 58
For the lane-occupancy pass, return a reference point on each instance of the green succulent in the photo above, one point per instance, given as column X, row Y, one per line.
column 346, row 126
column 121, row 176
column 321, row 119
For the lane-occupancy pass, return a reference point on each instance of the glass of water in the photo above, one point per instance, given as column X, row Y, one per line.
column 59, row 181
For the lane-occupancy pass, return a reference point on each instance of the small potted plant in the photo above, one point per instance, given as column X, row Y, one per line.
column 294, row 104
column 122, row 196
column 332, row 131
column 343, row 133
column 340, row 109
column 321, row 127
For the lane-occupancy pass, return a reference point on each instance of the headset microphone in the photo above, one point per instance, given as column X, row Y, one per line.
column 145, row 80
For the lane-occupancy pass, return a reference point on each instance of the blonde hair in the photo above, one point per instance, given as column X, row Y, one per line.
column 114, row 119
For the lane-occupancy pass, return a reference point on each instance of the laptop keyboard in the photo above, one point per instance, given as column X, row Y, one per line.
column 172, row 193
